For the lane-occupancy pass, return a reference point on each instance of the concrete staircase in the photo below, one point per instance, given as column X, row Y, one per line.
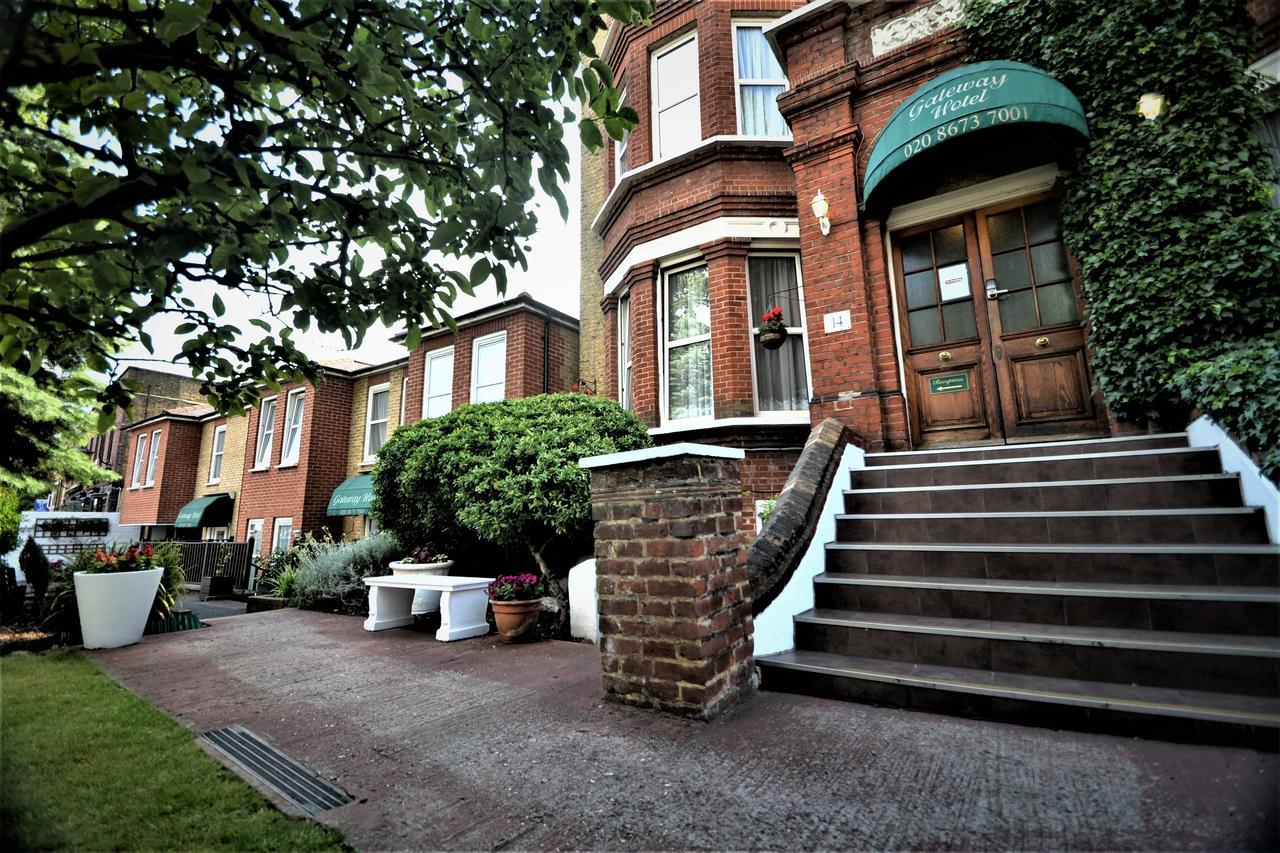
column 1115, row 585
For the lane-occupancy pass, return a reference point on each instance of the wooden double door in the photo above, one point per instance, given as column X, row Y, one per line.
column 992, row 328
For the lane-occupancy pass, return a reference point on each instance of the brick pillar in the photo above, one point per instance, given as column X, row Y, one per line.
column 671, row 574
column 731, row 322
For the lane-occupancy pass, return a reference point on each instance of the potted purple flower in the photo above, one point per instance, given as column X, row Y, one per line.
column 516, row 602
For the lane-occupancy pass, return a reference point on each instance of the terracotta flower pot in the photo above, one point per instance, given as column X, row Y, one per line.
column 772, row 338
column 516, row 619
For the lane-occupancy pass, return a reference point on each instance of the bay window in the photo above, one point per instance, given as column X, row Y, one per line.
column 687, row 343
column 624, row 351
column 781, row 376
column 437, row 392
column 676, row 105
column 620, row 163
column 760, row 80
column 291, row 442
column 489, row 368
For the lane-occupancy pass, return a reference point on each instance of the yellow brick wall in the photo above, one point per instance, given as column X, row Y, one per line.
column 232, row 473
column 353, row 526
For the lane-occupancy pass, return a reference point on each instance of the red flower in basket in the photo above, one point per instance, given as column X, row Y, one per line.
column 771, row 321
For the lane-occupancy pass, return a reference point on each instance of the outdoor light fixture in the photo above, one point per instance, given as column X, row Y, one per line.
column 820, row 208
column 1151, row 105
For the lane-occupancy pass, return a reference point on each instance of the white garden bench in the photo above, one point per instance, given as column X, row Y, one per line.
column 463, row 603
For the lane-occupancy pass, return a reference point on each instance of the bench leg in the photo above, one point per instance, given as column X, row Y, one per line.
column 389, row 608
column 462, row 614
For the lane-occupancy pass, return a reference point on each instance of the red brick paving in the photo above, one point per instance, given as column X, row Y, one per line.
column 474, row 745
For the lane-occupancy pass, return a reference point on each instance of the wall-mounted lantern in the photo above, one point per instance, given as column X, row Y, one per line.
column 820, row 208
column 1152, row 105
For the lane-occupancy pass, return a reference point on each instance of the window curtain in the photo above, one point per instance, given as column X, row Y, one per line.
column 758, row 104
column 782, row 382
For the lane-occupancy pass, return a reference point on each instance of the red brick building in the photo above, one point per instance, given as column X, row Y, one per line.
column 293, row 450
column 841, row 160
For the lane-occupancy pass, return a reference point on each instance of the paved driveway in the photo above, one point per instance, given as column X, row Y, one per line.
column 473, row 745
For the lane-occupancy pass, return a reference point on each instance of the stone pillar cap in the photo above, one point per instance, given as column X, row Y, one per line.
column 666, row 451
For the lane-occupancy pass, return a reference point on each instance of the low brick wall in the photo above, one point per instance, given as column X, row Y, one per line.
column 674, row 590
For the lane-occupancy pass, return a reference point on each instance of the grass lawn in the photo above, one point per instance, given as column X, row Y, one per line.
column 85, row 765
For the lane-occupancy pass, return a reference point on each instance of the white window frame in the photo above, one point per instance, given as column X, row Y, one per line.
column 404, row 400
column 620, row 146
column 801, row 330
column 214, row 534
column 664, row 383
column 655, row 116
column 369, row 422
column 476, row 344
column 153, row 457
column 426, row 377
column 295, row 400
column 262, row 452
column 738, row 82
column 217, row 450
column 139, row 451
column 275, row 532
column 626, row 346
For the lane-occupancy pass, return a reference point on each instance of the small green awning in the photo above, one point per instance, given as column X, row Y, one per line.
column 206, row 511
column 974, row 97
column 353, row 497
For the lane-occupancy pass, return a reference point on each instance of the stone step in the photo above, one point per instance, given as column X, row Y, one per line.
column 1224, row 565
column 1159, row 607
column 1043, row 448
column 1239, row 525
column 1167, row 462
column 1198, row 716
column 1191, row 490
column 1177, row 659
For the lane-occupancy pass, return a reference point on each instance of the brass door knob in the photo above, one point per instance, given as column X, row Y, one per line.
column 944, row 356
column 1041, row 343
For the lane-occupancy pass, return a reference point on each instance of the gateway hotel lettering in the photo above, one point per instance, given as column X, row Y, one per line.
column 940, row 110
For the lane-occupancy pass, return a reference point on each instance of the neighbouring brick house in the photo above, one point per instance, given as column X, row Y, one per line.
column 780, row 161
column 298, row 461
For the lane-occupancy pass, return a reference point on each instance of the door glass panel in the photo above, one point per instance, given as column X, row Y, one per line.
column 924, row 327
column 1042, row 222
column 1057, row 304
column 920, row 289
column 948, row 244
column 916, row 252
column 1017, row 311
column 1011, row 270
column 1049, row 262
column 958, row 320
column 1005, row 230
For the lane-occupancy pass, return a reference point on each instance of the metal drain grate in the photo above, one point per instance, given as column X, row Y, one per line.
column 277, row 771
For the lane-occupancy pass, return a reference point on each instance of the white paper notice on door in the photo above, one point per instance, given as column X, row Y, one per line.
column 953, row 282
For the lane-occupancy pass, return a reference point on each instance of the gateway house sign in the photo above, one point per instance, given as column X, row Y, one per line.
column 967, row 99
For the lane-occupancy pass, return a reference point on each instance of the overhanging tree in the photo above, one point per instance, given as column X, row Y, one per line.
column 353, row 161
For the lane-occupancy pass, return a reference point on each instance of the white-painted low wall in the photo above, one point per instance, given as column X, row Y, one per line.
column 775, row 627
column 1258, row 490
column 116, row 533
column 584, row 607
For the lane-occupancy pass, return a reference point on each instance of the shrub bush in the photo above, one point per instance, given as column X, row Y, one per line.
column 35, row 568
column 329, row 574
column 505, row 474
column 10, row 521
column 61, row 614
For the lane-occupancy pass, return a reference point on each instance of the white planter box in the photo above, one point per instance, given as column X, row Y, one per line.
column 424, row 600
column 114, row 606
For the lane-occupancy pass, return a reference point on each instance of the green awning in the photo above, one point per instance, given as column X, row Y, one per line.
column 973, row 97
column 353, row 497
column 206, row 511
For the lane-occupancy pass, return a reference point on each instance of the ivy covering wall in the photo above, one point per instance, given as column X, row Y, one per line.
column 1170, row 220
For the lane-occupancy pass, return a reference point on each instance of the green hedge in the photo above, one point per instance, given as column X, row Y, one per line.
column 1170, row 220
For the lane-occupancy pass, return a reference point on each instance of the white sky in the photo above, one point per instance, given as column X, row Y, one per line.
column 552, row 278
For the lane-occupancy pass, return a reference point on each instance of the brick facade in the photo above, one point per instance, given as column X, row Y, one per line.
column 673, row 584
column 232, row 470
column 175, row 477
column 353, row 526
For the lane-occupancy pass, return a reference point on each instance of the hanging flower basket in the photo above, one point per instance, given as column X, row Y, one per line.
column 772, row 329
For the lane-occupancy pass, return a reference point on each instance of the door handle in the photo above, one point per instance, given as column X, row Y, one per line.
column 992, row 292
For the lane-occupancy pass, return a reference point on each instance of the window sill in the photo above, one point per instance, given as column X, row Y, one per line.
column 800, row 418
column 214, row 482
column 259, row 468
column 368, row 461
column 293, row 464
